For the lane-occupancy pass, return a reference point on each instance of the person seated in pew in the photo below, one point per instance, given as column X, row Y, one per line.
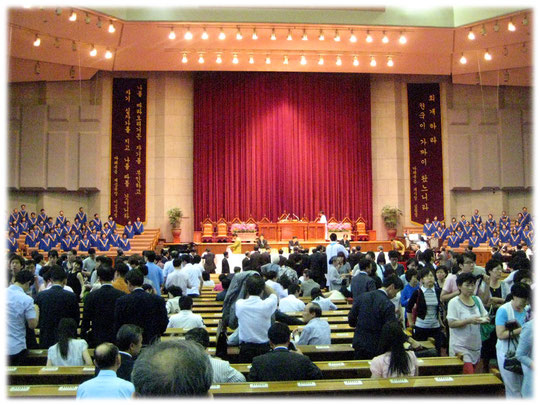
column 281, row 364
column 317, row 297
column 395, row 360
column 186, row 319
column 222, row 370
column 107, row 384
column 316, row 331
column 172, row 304
column 69, row 351
column 308, row 284
column 271, row 281
column 291, row 303
column 207, row 282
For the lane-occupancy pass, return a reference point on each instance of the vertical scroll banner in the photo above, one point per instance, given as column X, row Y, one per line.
column 425, row 152
column 128, row 150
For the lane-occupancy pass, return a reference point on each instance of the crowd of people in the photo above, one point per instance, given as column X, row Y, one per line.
column 468, row 310
column 46, row 233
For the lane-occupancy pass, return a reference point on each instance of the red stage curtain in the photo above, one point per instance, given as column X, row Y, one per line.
column 265, row 143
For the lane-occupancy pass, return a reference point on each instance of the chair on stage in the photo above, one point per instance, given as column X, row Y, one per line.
column 222, row 231
column 283, row 216
column 207, row 231
column 360, row 232
column 304, row 218
column 251, row 220
column 332, row 224
column 347, row 220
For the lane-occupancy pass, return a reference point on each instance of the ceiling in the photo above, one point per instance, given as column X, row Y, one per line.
column 435, row 41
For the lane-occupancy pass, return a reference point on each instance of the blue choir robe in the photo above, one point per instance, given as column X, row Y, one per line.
column 93, row 240
column 59, row 232
column 23, row 227
column 491, row 222
column 515, row 239
column 453, row 241
column 32, row 221
column 81, row 216
column 30, row 240
column 428, row 229
column 522, row 222
column 129, row 231
column 435, row 225
column 473, row 241
column 14, row 229
column 42, row 217
column 504, row 221
column 41, row 230
column 77, row 228
column 454, row 226
column 53, row 237
column 462, row 224
column 518, row 229
column 490, row 230
column 97, row 223
column 45, row 244
column 460, row 236
column 482, row 236
column 65, row 244
column 13, row 244
column 494, row 241
column 529, row 240
column 113, row 240
column 139, row 228
column 67, row 229
column 49, row 226
column 107, row 232
column 124, row 244
column 14, row 217
column 467, row 232
column 84, row 245
column 61, row 220
column 474, row 218
column 74, row 241
column 504, row 235
column 445, row 233
column 112, row 225
column 24, row 214
column 103, row 244
column 526, row 217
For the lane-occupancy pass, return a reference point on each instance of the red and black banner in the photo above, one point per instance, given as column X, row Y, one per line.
column 128, row 150
column 425, row 152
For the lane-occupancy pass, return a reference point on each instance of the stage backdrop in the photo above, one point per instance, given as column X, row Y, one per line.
column 265, row 143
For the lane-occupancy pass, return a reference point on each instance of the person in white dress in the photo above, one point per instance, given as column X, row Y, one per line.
column 323, row 220
column 69, row 351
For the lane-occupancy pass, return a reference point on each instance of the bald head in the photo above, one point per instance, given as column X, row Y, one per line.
column 106, row 357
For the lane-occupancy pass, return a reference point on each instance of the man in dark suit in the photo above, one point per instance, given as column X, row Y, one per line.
column 255, row 259
column 246, row 262
column 318, row 265
column 280, row 364
column 225, row 268
column 362, row 282
column 282, row 259
column 141, row 308
column 368, row 315
column 99, row 309
column 54, row 304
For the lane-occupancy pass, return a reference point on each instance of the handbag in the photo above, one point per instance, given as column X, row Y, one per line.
column 511, row 363
column 486, row 328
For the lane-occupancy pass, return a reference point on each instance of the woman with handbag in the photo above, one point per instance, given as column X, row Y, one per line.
column 508, row 322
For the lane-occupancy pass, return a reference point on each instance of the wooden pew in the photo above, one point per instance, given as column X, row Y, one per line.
column 34, row 375
column 465, row 385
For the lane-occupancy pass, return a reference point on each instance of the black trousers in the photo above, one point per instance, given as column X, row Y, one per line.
column 250, row 350
column 424, row 333
column 18, row 359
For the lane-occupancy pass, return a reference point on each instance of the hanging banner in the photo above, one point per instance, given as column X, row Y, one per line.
column 128, row 150
column 425, row 152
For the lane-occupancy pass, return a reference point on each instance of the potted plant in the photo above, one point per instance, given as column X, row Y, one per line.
column 175, row 219
column 390, row 217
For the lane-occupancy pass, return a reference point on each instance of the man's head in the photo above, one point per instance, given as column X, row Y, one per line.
column 129, row 339
column 392, row 285
column 311, row 310
column 25, row 278
column 365, row 265
column 333, row 237
column 172, row 368
column 105, row 273
column 393, row 255
column 58, row 275
column 294, row 289
column 199, row 335
column 255, row 285
column 469, row 260
column 185, row 303
column 134, row 279
column 279, row 334
column 106, row 357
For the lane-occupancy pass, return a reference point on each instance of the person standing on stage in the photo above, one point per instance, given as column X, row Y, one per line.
column 323, row 220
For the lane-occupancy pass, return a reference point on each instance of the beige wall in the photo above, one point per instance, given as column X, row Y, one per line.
column 59, row 133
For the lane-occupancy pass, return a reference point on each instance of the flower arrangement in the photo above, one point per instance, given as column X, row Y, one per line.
column 243, row 227
column 341, row 227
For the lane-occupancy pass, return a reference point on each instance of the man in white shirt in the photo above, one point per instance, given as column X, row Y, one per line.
column 254, row 318
column 291, row 303
column 332, row 250
column 178, row 277
column 168, row 267
column 274, row 285
column 194, row 275
column 186, row 319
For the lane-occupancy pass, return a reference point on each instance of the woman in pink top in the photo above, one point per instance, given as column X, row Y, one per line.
column 395, row 361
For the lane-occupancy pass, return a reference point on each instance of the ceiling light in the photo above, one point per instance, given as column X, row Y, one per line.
column 108, row 54
column 87, row 19
column 172, row 35
column 37, row 40
column 304, row 36
column 369, row 38
column 390, row 62
column 204, row 34
column 218, row 59
column 239, row 35
column 93, row 51
column 525, row 20
column 273, row 36
column 471, row 35
column 251, row 60
column 111, row 27
column 373, row 62
column 487, row 55
column 402, row 39
column 321, row 35
column 73, row 46
column 511, row 26
column 483, row 30
column 385, row 39
column 337, row 38
column 235, row 59
column 188, row 35
column 285, row 60
column 98, row 23
column 352, row 38
column 37, row 68
column 321, row 60
column 338, row 60
column 221, row 34
column 355, row 61
column 201, row 58
column 267, row 60
column 289, row 35
column 496, row 27
column 184, row 58
column 463, row 59
column 303, row 60
column 73, row 16
column 254, row 36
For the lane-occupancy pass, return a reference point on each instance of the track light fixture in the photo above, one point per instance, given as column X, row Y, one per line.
column 204, row 34
column 172, row 34
column 111, row 27
column 73, row 16
column 188, row 36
